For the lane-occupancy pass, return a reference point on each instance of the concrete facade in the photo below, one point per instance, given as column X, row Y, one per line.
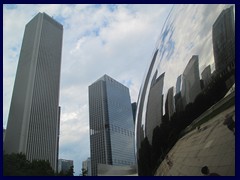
column 33, row 122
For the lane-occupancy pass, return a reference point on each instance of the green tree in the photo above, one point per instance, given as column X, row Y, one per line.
column 84, row 172
column 70, row 172
column 17, row 165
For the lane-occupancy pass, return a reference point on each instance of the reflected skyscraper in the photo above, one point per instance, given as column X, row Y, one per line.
column 206, row 76
column 223, row 37
column 191, row 81
column 170, row 105
column 141, row 101
column 178, row 84
column 111, row 124
column 33, row 122
column 154, row 106
column 134, row 108
column 178, row 97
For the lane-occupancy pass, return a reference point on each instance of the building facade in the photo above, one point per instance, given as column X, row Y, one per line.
column 4, row 132
column 178, row 84
column 206, row 76
column 111, row 124
column 86, row 165
column 155, row 106
column 223, row 37
column 34, row 115
column 169, row 104
column 111, row 170
column 64, row 165
column 191, row 81
column 134, row 108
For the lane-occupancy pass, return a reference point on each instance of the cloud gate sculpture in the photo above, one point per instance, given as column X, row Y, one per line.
column 192, row 68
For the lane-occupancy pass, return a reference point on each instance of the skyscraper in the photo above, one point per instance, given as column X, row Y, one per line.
column 33, row 122
column 191, row 81
column 178, row 84
column 169, row 104
column 111, row 124
column 223, row 37
column 64, row 165
column 154, row 106
column 206, row 76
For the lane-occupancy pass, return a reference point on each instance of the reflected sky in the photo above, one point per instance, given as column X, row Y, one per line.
column 186, row 32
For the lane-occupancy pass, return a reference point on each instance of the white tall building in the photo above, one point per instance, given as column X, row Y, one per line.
column 33, row 122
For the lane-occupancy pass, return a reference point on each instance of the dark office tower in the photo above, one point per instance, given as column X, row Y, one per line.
column 178, row 96
column 178, row 84
column 134, row 108
column 191, row 81
column 223, row 37
column 206, row 76
column 154, row 106
column 33, row 122
column 169, row 104
column 111, row 124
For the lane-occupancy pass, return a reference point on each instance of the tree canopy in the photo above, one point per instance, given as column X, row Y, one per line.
column 18, row 165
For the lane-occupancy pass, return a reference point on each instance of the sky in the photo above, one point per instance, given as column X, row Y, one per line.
column 117, row 40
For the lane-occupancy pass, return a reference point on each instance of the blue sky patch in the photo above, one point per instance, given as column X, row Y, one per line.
column 10, row 6
column 112, row 7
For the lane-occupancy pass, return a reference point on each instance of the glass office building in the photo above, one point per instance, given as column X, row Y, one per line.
column 111, row 124
column 33, row 122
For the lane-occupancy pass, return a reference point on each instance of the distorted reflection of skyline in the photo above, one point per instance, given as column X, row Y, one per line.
column 187, row 31
column 191, row 70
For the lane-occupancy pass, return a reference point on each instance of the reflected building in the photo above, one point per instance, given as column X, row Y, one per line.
column 141, row 102
column 154, row 106
column 223, row 37
column 178, row 97
column 178, row 84
column 206, row 76
column 4, row 132
column 111, row 124
column 34, row 115
column 134, row 108
column 191, row 81
column 170, row 104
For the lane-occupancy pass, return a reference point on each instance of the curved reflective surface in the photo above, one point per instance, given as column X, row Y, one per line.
column 192, row 68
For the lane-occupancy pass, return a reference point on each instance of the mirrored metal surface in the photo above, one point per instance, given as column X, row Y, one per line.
column 192, row 68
